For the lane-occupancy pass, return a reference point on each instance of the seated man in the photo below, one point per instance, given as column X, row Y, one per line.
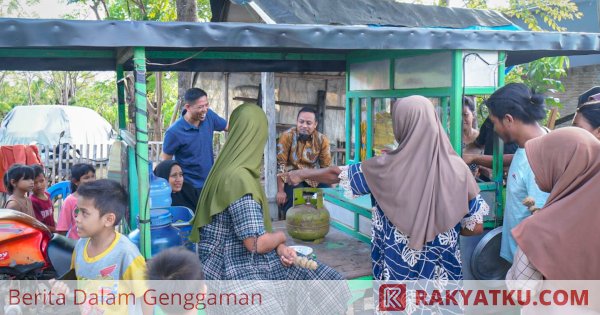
column 301, row 147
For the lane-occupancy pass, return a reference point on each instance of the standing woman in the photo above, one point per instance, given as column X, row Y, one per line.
column 559, row 242
column 233, row 224
column 423, row 195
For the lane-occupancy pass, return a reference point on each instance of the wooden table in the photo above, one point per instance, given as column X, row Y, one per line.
column 347, row 255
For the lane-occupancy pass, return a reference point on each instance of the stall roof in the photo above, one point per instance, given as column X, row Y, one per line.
column 179, row 46
column 362, row 12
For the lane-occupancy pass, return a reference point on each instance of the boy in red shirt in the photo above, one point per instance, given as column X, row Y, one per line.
column 40, row 199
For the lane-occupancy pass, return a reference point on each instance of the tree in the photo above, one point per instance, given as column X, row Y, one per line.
column 16, row 8
column 186, row 12
column 156, row 10
column 543, row 75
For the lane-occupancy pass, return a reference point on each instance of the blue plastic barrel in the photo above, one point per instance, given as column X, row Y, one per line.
column 182, row 219
column 163, row 234
column 160, row 191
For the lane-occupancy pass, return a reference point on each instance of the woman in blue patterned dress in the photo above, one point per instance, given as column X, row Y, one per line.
column 423, row 195
column 233, row 226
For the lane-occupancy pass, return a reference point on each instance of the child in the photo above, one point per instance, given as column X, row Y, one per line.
column 169, row 267
column 80, row 173
column 18, row 181
column 40, row 199
column 102, row 253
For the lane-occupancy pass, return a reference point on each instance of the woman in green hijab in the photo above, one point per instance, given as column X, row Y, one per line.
column 232, row 219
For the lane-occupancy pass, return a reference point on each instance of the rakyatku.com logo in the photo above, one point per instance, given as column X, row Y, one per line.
column 392, row 297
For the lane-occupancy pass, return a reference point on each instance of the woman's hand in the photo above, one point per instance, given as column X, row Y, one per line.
column 286, row 254
column 292, row 178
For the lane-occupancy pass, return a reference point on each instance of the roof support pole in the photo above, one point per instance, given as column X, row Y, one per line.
column 498, row 166
column 456, row 101
column 132, row 171
column 121, row 97
column 369, row 128
column 141, row 148
column 267, row 80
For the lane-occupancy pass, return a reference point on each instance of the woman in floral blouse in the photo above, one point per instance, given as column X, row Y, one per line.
column 423, row 194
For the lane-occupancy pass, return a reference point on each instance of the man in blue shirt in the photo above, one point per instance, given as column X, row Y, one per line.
column 515, row 111
column 190, row 138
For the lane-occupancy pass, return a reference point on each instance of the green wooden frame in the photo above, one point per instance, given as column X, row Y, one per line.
column 450, row 96
column 138, row 142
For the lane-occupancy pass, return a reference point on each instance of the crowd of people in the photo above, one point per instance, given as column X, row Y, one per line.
column 424, row 194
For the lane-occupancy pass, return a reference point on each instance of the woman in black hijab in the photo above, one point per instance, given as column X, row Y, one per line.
column 182, row 192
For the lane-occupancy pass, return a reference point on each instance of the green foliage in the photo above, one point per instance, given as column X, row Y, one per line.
column 101, row 97
column 89, row 89
column 135, row 10
column 17, row 8
column 543, row 76
column 476, row 4
column 43, row 88
column 550, row 12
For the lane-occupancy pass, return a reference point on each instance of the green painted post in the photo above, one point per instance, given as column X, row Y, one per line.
column 134, row 201
column 456, row 101
column 132, row 172
column 392, row 73
column 121, row 98
column 348, row 115
column 498, row 162
column 369, row 130
column 357, row 129
column 141, row 148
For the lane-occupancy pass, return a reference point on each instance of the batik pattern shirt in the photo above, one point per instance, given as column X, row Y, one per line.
column 393, row 259
column 294, row 154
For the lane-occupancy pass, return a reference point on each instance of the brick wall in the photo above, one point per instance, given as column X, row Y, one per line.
column 578, row 80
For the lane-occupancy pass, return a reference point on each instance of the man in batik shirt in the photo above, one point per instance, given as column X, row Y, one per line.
column 301, row 147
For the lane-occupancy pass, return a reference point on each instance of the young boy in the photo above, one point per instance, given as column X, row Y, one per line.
column 40, row 199
column 102, row 253
column 174, row 264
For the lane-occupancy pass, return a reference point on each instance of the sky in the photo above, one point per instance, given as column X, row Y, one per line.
column 54, row 9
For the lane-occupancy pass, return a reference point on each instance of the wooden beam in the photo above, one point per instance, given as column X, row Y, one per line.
column 267, row 83
column 124, row 55
column 552, row 119
column 282, row 103
column 565, row 119
column 321, row 95
column 311, row 76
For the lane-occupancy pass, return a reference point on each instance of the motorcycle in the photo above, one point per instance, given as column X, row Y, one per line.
column 29, row 251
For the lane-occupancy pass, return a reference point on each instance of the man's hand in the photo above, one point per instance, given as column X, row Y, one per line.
column 292, row 178
column 281, row 198
column 287, row 255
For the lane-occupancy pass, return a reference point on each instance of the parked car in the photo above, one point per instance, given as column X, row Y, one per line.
column 60, row 132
